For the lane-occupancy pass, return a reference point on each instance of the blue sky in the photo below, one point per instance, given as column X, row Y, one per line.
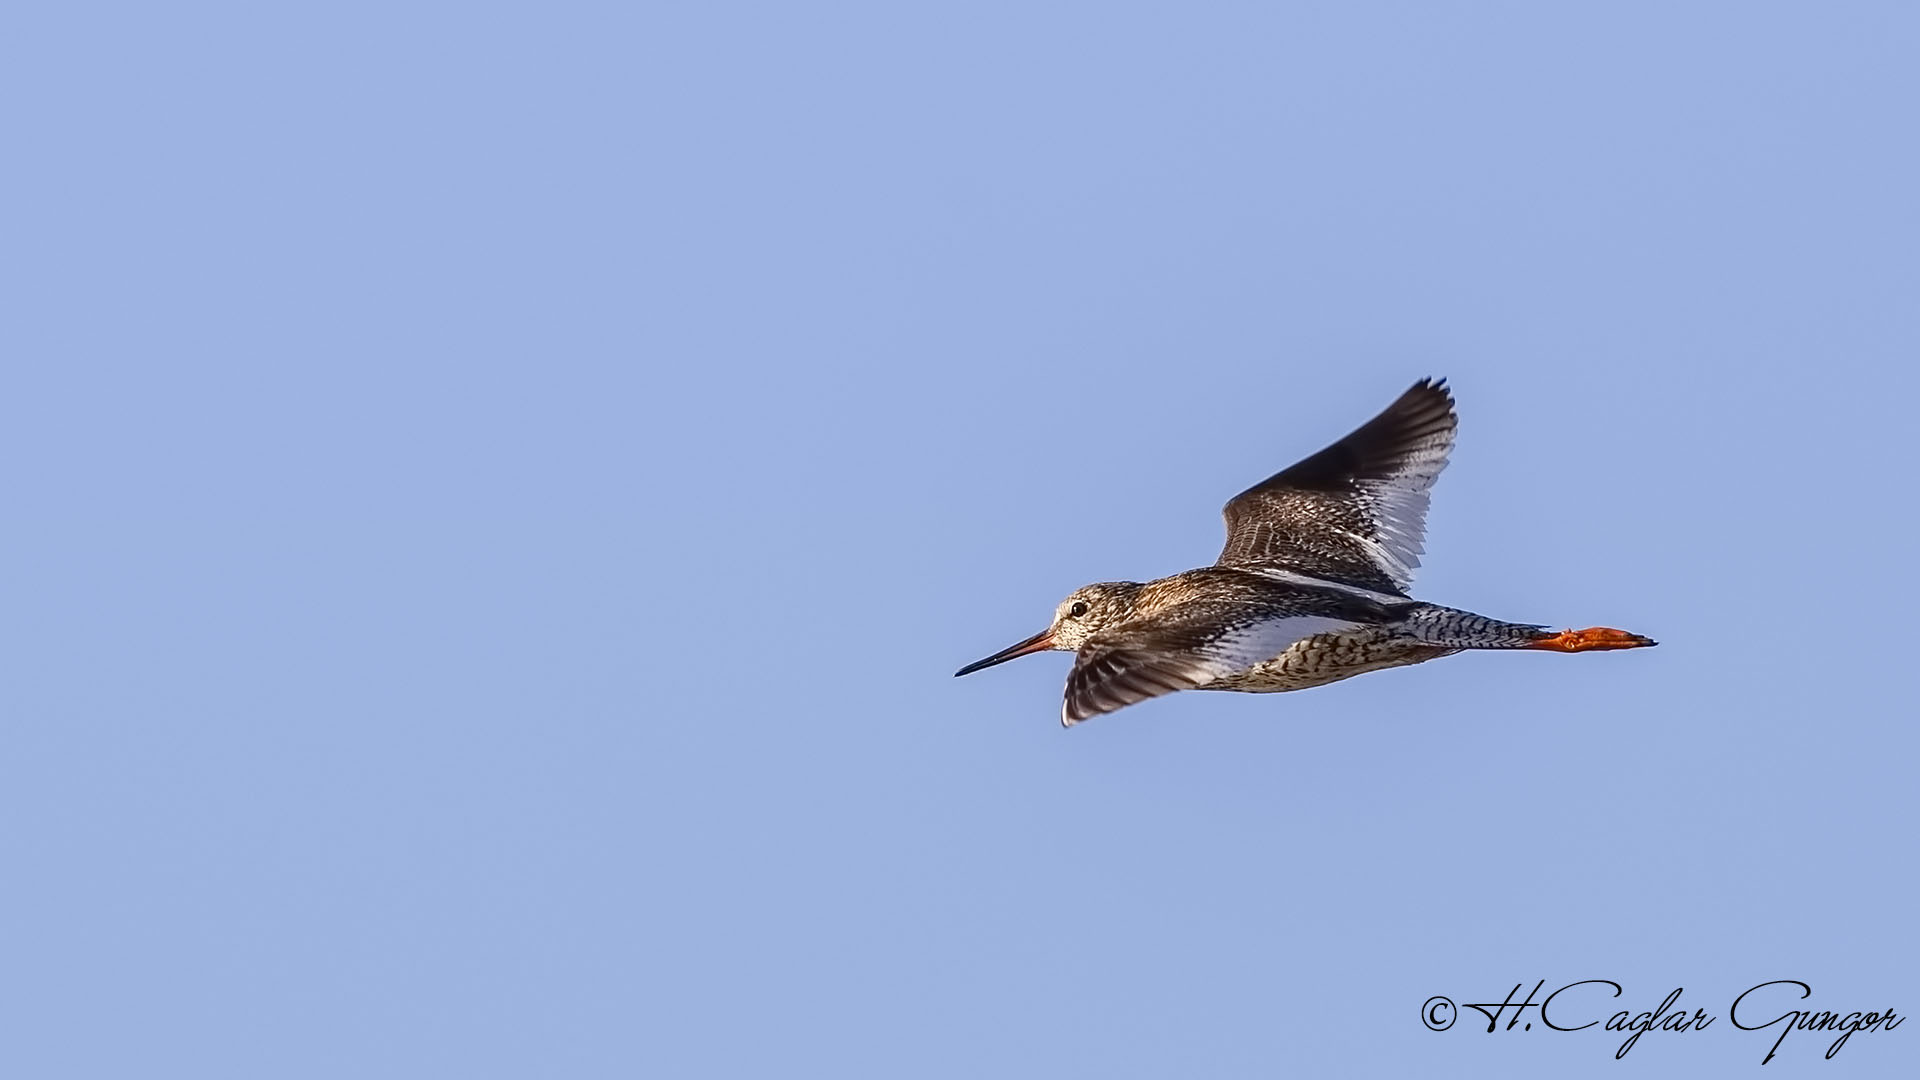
column 496, row 494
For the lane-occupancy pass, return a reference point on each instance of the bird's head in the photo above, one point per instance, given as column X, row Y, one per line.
column 1084, row 613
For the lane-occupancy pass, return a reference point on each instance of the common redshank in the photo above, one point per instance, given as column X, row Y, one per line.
column 1311, row 588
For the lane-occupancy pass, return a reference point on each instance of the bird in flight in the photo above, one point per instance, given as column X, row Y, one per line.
column 1311, row 588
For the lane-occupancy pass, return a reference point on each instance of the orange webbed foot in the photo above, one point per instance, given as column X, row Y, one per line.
column 1592, row 639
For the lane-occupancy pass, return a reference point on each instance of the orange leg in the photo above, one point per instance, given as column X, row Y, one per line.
column 1592, row 639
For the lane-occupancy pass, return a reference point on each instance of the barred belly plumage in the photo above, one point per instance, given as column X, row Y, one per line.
column 1328, row 658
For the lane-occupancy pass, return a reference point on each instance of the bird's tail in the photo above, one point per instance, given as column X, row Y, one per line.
column 1456, row 629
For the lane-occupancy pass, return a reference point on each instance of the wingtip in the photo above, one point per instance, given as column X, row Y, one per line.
column 1428, row 406
column 1430, row 401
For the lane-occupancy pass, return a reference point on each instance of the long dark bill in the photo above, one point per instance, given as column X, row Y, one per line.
column 1039, row 642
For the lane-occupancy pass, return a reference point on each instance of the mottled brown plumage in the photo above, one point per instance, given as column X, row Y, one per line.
column 1310, row 588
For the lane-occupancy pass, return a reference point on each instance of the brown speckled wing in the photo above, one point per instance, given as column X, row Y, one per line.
column 1181, row 651
column 1355, row 512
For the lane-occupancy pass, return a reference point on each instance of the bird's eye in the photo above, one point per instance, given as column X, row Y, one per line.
column 1078, row 609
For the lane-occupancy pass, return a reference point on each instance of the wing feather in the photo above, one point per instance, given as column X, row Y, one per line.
column 1161, row 656
column 1356, row 511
